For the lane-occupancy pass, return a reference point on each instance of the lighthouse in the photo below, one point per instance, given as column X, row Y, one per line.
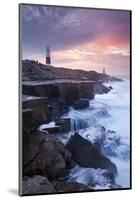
column 48, row 58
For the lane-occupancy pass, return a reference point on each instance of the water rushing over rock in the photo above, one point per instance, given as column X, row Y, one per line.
column 106, row 124
column 81, row 119
column 94, row 178
column 86, row 154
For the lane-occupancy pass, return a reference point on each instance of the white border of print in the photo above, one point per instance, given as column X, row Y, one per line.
column 9, row 99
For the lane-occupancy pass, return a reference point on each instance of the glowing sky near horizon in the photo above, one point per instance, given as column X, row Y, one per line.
column 88, row 39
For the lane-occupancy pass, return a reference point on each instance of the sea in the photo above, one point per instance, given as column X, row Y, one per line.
column 111, row 111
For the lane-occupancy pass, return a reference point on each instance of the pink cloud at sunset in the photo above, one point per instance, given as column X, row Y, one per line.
column 107, row 51
column 88, row 39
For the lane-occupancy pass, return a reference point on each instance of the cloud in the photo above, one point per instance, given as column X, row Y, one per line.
column 65, row 27
column 77, row 37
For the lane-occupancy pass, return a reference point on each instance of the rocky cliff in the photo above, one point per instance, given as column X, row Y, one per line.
column 32, row 70
column 44, row 160
column 47, row 93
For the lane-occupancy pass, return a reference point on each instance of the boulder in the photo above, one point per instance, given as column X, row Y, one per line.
column 87, row 155
column 81, row 104
column 44, row 155
column 41, row 154
column 63, row 186
column 37, row 185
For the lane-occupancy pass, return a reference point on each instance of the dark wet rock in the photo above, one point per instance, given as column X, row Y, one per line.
column 87, row 155
column 38, row 105
column 87, row 90
column 42, row 154
column 37, row 185
column 56, row 108
column 41, row 90
column 70, row 92
column 67, row 91
column 63, row 186
column 98, row 145
column 59, row 96
column 110, row 87
column 30, row 121
column 81, row 104
column 65, row 124
column 101, row 89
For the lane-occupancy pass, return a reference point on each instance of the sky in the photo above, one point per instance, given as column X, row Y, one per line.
column 88, row 39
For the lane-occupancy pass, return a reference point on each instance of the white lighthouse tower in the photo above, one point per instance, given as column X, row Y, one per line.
column 48, row 57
